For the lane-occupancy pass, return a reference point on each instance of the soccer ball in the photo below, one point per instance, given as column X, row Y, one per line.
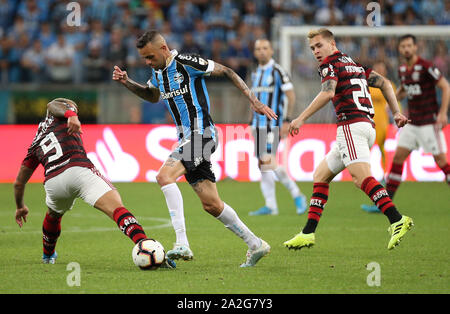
column 148, row 254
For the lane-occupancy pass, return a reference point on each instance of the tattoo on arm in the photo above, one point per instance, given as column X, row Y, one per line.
column 329, row 86
column 145, row 92
column 221, row 70
column 375, row 80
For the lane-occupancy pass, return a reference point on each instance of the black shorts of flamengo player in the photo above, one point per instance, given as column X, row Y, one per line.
column 195, row 155
column 266, row 141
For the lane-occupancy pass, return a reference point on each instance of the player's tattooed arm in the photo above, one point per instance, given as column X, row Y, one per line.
column 143, row 91
column 329, row 86
column 376, row 80
column 257, row 106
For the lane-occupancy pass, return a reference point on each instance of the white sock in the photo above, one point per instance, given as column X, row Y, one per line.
column 268, row 189
column 232, row 222
column 174, row 202
column 287, row 182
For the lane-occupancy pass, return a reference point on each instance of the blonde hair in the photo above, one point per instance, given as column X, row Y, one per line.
column 324, row 32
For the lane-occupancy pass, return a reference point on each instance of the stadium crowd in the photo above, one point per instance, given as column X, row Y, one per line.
column 38, row 45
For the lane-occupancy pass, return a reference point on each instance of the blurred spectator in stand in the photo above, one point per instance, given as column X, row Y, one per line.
column 103, row 11
column 95, row 64
column 410, row 17
column 238, row 57
column 250, row 17
column 355, row 12
column 59, row 61
column 154, row 18
column 117, row 52
column 431, row 9
column 444, row 17
column 33, row 63
column 98, row 34
column 182, row 16
column 219, row 19
column 32, row 16
column 190, row 45
column 7, row 12
column 46, row 35
column 76, row 37
column 329, row 14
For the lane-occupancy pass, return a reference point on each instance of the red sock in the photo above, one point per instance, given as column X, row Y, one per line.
column 128, row 224
column 394, row 179
column 316, row 205
column 51, row 229
column 446, row 170
column 380, row 197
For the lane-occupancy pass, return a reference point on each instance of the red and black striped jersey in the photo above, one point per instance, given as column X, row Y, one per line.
column 352, row 101
column 55, row 149
column 419, row 81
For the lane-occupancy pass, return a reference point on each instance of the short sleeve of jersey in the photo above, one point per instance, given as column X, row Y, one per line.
column 285, row 80
column 327, row 72
column 30, row 161
column 433, row 72
column 152, row 82
column 196, row 65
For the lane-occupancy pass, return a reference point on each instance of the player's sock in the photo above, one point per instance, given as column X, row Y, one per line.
column 287, row 182
column 393, row 179
column 174, row 201
column 316, row 205
column 380, row 197
column 446, row 170
column 232, row 222
column 128, row 224
column 51, row 229
column 268, row 189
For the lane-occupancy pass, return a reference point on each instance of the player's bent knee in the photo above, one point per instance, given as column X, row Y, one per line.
column 108, row 202
column 213, row 207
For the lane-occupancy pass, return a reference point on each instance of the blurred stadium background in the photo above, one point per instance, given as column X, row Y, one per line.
column 43, row 57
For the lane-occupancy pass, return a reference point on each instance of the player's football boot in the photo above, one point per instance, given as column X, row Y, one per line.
column 263, row 211
column 301, row 240
column 168, row 263
column 370, row 208
column 300, row 204
column 398, row 230
column 49, row 259
column 253, row 256
column 180, row 251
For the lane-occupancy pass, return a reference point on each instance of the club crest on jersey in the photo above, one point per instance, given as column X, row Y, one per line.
column 178, row 77
column 324, row 72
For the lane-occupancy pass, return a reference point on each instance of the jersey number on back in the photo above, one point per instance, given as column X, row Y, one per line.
column 362, row 93
column 53, row 143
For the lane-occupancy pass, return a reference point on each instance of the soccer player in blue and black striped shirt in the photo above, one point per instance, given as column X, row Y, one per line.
column 179, row 80
column 273, row 87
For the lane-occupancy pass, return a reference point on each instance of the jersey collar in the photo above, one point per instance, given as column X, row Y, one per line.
column 173, row 54
column 267, row 65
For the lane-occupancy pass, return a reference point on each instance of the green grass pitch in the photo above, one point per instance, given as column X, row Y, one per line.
column 347, row 239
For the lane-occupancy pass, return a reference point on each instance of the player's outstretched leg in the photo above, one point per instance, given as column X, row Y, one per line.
column 51, row 229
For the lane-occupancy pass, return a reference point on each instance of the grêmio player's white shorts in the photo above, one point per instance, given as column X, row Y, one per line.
column 429, row 136
column 353, row 143
column 75, row 182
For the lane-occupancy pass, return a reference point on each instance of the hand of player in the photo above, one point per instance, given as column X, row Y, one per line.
column 119, row 75
column 260, row 108
column 21, row 215
column 295, row 126
column 73, row 125
column 401, row 120
column 441, row 120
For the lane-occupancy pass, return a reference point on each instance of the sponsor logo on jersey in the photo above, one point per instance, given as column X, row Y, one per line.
column 174, row 92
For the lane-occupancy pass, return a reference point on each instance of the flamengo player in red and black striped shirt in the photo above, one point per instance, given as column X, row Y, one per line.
column 69, row 174
column 345, row 83
column 419, row 79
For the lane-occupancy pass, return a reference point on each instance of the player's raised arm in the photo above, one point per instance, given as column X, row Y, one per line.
column 66, row 108
column 322, row 98
column 257, row 106
column 379, row 81
column 143, row 91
